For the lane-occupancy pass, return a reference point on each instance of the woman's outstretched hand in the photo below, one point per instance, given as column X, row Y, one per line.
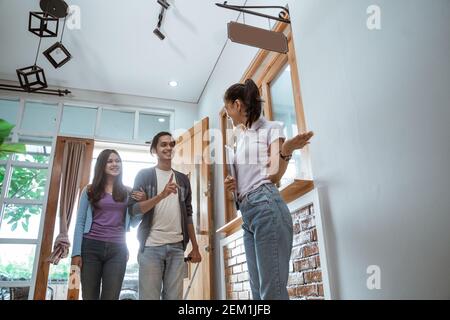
column 297, row 142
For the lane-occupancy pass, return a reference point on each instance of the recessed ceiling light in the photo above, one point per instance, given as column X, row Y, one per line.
column 162, row 120
column 173, row 83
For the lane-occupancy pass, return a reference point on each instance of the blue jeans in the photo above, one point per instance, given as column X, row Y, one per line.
column 268, row 235
column 103, row 265
column 161, row 272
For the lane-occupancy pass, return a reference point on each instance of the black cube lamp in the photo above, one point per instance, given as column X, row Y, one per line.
column 44, row 25
column 47, row 24
column 32, row 78
column 157, row 31
column 164, row 4
column 57, row 55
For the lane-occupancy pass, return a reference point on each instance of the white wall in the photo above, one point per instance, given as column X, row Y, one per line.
column 379, row 103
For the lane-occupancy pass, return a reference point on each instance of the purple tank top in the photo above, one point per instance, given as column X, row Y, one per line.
column 108, row 223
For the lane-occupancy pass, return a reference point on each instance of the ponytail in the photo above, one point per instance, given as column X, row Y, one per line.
column 248, row 93
column 252, row 101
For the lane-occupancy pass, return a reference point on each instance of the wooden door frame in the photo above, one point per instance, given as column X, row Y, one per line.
column 52, row 208
column 205, row 188
column 208, row 191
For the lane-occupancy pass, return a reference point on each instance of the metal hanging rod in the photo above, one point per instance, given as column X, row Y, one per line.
column 53, row 92
column 281, row 17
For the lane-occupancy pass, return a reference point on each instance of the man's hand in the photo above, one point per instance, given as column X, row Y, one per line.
column 195, row 256
column 171, row 187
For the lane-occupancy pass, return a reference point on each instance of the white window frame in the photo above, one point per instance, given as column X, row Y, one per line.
column 25, row 132
column 61, row 102
column 17, row 132
column 314, row 197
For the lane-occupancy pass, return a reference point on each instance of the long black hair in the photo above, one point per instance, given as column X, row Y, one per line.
column 97, row 189
column 248, row 93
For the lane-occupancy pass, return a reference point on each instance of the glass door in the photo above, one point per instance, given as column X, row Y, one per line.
column 24, row 188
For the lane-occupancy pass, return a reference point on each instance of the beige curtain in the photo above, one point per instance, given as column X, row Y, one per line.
column 72, row 168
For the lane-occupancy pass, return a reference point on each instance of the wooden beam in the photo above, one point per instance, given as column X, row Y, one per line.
column 296, row 189
column 52, row 208
column 208, row 192
column 231, row 226
column 299, row 110
column 262, row 55
column 301, row 122
column 267, row 101
column 40, row 290
column 230, row 211
column 276, row 67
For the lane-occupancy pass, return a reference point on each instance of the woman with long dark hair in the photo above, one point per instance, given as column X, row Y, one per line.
column 99, row 246
column 261, row 158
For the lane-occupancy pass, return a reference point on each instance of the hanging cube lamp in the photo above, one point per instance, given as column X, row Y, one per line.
column 43, row 25
column 32, row 78
column 58, row 55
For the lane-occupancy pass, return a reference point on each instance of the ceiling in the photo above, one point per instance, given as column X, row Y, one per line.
column 115, row 49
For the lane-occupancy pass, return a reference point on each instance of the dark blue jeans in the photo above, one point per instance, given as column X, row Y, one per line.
column 103, row 269
column 268, row 235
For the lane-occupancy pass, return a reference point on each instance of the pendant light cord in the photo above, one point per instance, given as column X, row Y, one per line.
column 64, row 26
column 40, row 38
column 37, row 53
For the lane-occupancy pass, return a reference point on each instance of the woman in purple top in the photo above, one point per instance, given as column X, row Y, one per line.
column 100, row 249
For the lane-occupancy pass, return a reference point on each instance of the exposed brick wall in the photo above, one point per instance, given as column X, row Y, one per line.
column 305, row 275
column 236, row 272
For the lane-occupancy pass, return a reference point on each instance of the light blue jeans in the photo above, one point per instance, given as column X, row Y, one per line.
column 268, row 234
column 161, row 272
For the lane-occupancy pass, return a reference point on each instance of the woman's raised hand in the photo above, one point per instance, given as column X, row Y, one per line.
column 297, row 142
